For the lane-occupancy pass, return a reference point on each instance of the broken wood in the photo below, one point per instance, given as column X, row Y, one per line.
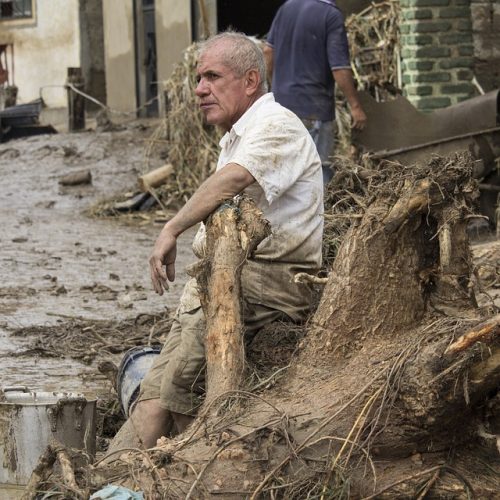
column 233, row 232
column 415, row 200
column 40, row 473
column 81, row 177
column 67, row 472
column 44, row 468
column 484, row 332
column 303, row 277
column 155, row 178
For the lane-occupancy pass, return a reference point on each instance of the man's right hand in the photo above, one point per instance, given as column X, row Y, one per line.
column 359, row 118
column 162, row 261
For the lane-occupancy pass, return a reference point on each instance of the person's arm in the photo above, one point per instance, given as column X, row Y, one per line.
column 269, row 58
column 222, row 185
column 343, row 78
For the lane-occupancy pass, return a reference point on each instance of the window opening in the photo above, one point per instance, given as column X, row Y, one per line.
column 16, row 9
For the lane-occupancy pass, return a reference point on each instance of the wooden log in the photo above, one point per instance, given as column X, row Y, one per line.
column 155, row 178
column 82, row 177
column 76, row 101
column 485, row 331
column 233, row 232
column 67, row 472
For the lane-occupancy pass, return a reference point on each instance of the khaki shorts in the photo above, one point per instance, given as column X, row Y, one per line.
column 177, row 376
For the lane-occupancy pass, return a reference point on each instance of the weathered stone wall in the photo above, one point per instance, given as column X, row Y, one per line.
column 437, row 52
column 486, row 36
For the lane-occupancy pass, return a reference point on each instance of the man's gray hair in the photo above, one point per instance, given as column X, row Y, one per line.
column 239, row 53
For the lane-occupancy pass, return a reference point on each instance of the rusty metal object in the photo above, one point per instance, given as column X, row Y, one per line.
column 398, row 131
column 398, row 124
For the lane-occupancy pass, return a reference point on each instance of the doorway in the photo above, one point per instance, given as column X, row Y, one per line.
column 146, row 59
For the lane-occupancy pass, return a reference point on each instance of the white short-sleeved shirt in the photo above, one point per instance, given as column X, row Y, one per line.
column 274, row 146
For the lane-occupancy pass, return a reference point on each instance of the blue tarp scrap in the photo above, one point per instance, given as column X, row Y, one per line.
column 112, row 492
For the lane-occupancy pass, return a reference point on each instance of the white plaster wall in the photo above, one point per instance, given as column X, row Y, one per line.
column 173, row 33
column 119, row 54
column 44, row 48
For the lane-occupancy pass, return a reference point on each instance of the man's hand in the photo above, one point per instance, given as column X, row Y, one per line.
column 358, row 118
column 162, row 261
column 344, row 79
column 222, row 185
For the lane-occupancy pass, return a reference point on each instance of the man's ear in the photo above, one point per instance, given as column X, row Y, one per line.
column 252, row 82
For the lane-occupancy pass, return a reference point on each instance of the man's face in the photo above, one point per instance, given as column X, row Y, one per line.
column 223, row 95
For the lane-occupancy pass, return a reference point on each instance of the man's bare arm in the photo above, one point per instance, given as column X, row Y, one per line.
column 343, row 78
column 269, row 58
column 223, row 184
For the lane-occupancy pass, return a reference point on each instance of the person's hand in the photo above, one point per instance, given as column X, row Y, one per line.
column 162, row 261
column 358, row 118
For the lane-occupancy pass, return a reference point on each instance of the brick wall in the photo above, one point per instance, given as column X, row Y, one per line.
column 437, row 52
column 486, row 36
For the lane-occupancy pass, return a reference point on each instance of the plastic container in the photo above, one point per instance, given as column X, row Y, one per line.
column 29, row 420
column 133, row 367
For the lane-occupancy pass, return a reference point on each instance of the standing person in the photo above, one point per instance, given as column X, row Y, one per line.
column 268, row 154
column 307, row 54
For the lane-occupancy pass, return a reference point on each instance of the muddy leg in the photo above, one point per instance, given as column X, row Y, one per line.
column 181, row 421
column 147, row 423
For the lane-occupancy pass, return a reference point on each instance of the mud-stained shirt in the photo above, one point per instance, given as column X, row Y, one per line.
column 274, row 146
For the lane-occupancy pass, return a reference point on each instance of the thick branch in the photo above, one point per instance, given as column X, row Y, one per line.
column 486, row 331
column 233, row 232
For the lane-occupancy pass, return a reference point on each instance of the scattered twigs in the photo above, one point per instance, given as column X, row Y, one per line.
column 425, row 472
column 429, row 485
column 86, row 339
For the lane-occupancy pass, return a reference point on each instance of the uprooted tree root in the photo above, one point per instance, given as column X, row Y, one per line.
column 393, row 390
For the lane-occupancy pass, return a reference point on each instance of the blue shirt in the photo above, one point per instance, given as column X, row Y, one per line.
column 308, row 38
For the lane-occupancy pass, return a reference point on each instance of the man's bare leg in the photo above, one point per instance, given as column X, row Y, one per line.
column 147, row 423
column 181, row 421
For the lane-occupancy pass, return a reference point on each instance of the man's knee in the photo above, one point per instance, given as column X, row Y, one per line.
column 148, row 408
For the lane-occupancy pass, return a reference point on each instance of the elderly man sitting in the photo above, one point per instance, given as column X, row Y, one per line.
column 268, row 154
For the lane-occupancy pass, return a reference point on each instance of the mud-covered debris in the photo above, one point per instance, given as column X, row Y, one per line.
column 76, row 178
column 87, row 340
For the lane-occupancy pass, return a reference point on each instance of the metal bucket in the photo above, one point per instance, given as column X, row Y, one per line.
column 28, row 422
column 135, row 364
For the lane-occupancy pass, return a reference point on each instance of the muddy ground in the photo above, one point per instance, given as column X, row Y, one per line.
column 61, row 269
